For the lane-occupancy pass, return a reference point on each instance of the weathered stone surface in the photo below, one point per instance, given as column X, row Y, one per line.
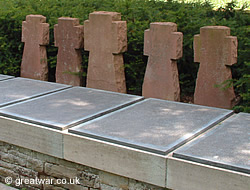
column 18, row 158
column 114, row 180
column 137, row 185
column 22, row 171
column 29, row 184
column 51, row 187
column 34, row 164
column 5, row 164
column 35, row 35
column 5, row 77
column 69, row 107
column 89, row 180
column 108, row 187
column 60, row 171
column 4, row 147
column 153, row 125
column 8, row 173
column 216, row 50
column 75, row 187
column 105, row 36
column 27, row 88
column 10, row 158
column 163, row 45
column 69, row 40
column 226, row 146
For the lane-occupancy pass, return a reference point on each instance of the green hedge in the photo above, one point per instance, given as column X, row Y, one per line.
column 138, row 14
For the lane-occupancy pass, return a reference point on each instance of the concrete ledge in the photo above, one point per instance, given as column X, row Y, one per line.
column 31, row 136
column 120, row 160
column 5, row 77
column 162, row 171
column 187, row 175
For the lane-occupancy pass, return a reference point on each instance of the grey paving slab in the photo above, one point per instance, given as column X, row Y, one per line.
column 226, row 145
column 5, row 77
column 19, row 89
column 153, row 125
column 70, row 107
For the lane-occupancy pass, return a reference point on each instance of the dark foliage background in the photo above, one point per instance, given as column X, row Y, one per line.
column 139, row 14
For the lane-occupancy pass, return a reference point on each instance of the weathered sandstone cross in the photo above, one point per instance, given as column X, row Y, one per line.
column 105, row 37
column 35, row 35
column 163, row 45
column 69, row 40
column 216, row 50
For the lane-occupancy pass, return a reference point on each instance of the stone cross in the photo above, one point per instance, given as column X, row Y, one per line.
column 35, row 35
column 105, row 36
column 216, row 50
column 69, row 40
column 163, row 45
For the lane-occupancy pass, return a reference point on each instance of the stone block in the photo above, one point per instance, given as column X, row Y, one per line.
column 67, row 108
column 60, row 171
column 216, row 50
column 10, row 158
column 75, row 187
column 4, row 147
column 163, row 45
column 5, row 164
column 89, row 179
column 225, row 146
column 114, row 180
column 31, row 136
column 105, row 37
column 187, row 175
column 35, row 35
column 8, row 173
column 137, row 185
column 25, row 172
column 27, row 89
column 153, row 125
column 116, row 159
column 34, row 164
column 108, row 187
column 69, row 40
column 29, row 184
column 17, row 158
column 51, row 187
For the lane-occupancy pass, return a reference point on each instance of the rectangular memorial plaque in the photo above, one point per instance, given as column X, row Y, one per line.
column 5, row 77
column 153, row 125
column 226, row 145
column 67, row 108
column 19, row 89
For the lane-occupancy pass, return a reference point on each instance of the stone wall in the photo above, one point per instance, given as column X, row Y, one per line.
column 21, row 163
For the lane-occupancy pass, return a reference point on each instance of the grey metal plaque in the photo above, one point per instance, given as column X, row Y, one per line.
column 153, row 125
column 70, row 107
column 19, row 89
column 227, row 145
column 5, row 77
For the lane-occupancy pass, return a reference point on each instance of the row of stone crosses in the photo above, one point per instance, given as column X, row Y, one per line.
column 104, row 35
